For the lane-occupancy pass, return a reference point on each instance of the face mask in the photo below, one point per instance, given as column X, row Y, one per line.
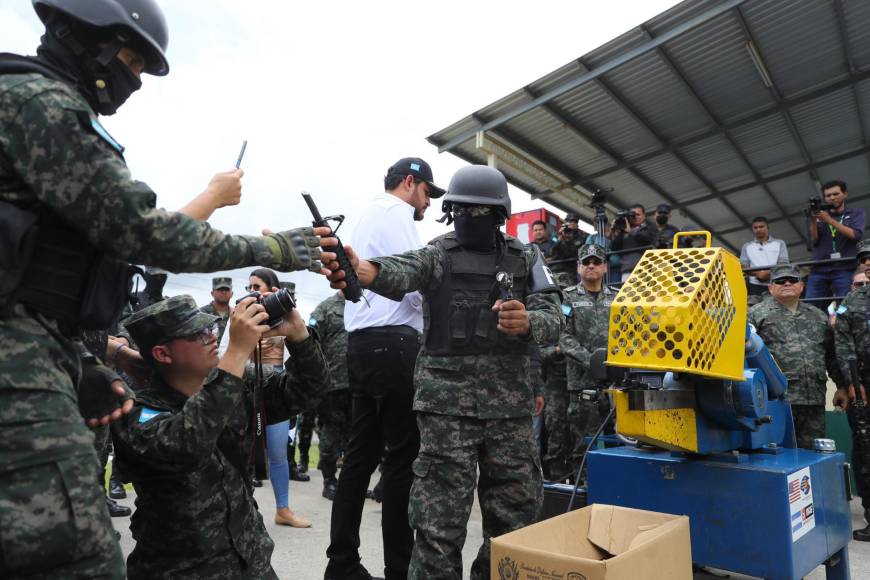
column 661, row 219
column 476, row 233
column 120, row 84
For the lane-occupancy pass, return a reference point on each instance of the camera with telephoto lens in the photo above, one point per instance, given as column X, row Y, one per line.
column 276, row 304
column 815, row 205
column 622, row 217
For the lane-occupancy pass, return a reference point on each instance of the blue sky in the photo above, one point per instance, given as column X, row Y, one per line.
column 328, row 94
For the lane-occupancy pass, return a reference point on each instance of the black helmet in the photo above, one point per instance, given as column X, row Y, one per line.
column 572, row 217
column 142, row 18
column 478, row 185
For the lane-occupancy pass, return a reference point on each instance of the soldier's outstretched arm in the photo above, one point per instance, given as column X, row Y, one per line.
column 545, row 317
column 52, row 144
column 390, row 276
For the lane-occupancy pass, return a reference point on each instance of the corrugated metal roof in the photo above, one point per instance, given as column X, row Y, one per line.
column 680, row 109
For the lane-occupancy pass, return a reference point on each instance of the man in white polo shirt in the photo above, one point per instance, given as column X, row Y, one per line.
column 383, row 341
column 764, row 250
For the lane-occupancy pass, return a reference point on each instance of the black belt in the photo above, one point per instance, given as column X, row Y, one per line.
column 401, row 330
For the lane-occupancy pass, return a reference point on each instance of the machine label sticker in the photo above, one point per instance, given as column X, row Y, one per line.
column 800, row 503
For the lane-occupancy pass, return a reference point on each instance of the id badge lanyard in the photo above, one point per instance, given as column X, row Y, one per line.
column 834, row 233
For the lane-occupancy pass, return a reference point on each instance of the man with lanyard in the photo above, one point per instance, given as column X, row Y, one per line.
column 382, row 346
column 835, row 235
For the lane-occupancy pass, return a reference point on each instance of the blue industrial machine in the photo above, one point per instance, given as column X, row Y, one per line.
column 706, row 403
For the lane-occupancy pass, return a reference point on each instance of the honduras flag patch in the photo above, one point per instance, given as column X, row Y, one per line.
column 148, row 414
column 566, row 310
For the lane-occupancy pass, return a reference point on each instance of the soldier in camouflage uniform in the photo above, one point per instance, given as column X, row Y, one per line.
column 187, row 443
column 587, row 306
column 802, row 342
column 333, row 415
column 852, row 340
column 472, row 398
column 221, row 293
column 69, row 208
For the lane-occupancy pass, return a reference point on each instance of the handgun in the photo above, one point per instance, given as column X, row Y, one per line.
column 353, row 289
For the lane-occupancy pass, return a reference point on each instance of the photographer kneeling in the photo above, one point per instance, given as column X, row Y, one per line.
column 187, row 444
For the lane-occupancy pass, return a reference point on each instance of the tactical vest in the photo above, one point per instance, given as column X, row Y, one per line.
column 458, row 316
column 49, row 266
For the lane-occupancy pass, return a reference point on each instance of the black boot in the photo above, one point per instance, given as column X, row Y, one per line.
column 330, row 486
column 862, row 535
column 296, row 476
column 303, row 461
column 116, row 489
column 117, row 511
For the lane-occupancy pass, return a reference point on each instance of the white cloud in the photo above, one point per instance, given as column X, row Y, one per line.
column 329, row 94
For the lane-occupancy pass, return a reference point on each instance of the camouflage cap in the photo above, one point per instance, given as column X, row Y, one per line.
column 590, row 251
column 221, row 283
column 863, row 248
column 166, row 320
column 785, row 271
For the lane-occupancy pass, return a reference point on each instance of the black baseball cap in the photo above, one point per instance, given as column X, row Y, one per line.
column 419, row 169
column 663, row 208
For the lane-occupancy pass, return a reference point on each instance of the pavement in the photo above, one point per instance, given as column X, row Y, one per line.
column 300, row 554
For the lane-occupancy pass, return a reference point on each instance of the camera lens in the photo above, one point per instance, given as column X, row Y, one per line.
column 277, row 305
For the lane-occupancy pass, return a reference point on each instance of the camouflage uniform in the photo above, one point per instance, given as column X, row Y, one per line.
column 586, row 330
column 222, row 319
column 187, row 457
column 333, row 414
column 852, row 332
column 473, row 412
column 56, row 160
column 555, row 393
column 803, row 345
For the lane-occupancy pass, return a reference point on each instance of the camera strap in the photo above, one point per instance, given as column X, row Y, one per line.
column 258, row 420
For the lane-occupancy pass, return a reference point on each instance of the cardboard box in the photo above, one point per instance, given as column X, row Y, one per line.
column 598, row 542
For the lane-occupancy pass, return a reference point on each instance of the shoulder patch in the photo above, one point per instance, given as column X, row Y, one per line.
column 566, row 310
column 101, row 131
column 841, row 309
column 312, row 322
column 147, row 414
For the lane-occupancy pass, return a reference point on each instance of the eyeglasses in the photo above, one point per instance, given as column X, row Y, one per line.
column 254, row 287
column 859, row 284
column 864, row 259
column 205, row 335
column 593, row 261
column 471, row 210
column 781, row 281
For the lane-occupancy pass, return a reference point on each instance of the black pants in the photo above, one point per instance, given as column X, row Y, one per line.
column 380, row 363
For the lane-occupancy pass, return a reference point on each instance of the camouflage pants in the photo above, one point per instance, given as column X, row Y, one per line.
column 452, row 449
column 809, row 424
column 333, row 428
column 859, row 422
column 53, row 517
column 558, row 429
column 584, row 417
column 225, row 566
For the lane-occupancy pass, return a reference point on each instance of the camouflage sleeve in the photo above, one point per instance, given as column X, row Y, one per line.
column 181, row 441
column 571, row 347
column 545, row 317
column 844, row 341
column 54, row 148
column 831, row 359
column 417, row 270
column 302, row 384
column 535, row 376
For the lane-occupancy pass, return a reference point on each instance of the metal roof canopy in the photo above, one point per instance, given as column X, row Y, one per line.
column 724, row 109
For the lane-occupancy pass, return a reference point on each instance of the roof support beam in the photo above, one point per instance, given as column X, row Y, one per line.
column 786, row 104
column 643, row 122
column 716, row 10
column 840, row 12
